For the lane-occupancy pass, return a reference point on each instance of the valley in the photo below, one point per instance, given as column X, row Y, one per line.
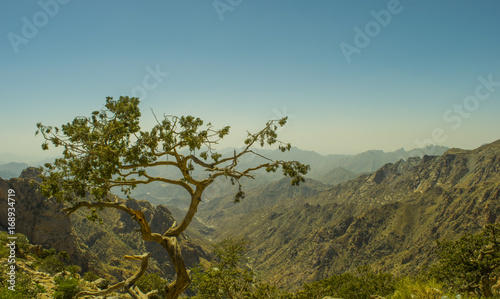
column 389, row 219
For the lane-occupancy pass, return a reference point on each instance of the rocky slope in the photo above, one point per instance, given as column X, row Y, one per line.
column 92, row 246
column 256, row 198
column 389, row 219
column 40, row 219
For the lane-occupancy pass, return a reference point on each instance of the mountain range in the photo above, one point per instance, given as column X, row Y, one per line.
column 330, row 170
column 389, row 219
column 348, row 213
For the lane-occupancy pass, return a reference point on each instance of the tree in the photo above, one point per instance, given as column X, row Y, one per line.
column 363, row 283
column 108, row 149
column 230, row 277
column 470, row 264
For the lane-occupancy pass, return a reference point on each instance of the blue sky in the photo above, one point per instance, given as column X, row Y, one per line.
column 416, row 74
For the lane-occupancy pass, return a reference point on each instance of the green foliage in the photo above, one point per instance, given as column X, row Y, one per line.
column 22, row 245
column 231, row 252
column 66, row 288
column 25, row 287
column 93, row 147
column 90, row 276
column 151, row 282
column 423, row 287
column 52, row 262
column 74, row 269
column 52, row 265
column 361, row 284
column 229, row 277
column 267, row 291
column 108, row 149
column 469, row 263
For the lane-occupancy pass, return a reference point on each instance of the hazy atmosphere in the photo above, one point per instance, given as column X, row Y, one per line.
column 351, row 75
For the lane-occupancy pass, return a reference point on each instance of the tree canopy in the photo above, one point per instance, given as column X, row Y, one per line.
column 108, row 149
column 470, row 264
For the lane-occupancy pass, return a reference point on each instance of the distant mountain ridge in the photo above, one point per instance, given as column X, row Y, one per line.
column 390, row 218
column 257, row 198
column 11, row 170
column 331, row 169
column 323, row 169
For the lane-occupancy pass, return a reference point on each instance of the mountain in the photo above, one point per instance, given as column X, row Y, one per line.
column 389, row 219
column 331, row 169
column 11, row 170
column 93, row 246
column 9, row 157
column 337, row 175
column 257, row 198
column 39, row 218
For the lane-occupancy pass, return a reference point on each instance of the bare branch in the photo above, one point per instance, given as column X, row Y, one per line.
column 201, row 163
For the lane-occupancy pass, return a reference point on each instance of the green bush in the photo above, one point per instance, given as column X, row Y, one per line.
column 22, row 245
column 67, row 287
column 361, row 284
column 90, row 276
column 150, row 282
column 472, row 263
column 74, row 269
column 53, row 262
column 267, row 291
column 409, row 287
column 229, row 277
column 25, row 288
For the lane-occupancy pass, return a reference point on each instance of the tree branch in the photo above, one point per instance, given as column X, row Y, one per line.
column 126, row 283
column 150, row 179
column 150, row 164
column 175, row 288
column 193, row 208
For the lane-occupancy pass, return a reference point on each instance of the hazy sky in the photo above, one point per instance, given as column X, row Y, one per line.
column 351, row 75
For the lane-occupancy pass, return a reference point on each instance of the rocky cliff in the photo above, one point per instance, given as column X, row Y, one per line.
column 94, row 246
column 39, row 218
